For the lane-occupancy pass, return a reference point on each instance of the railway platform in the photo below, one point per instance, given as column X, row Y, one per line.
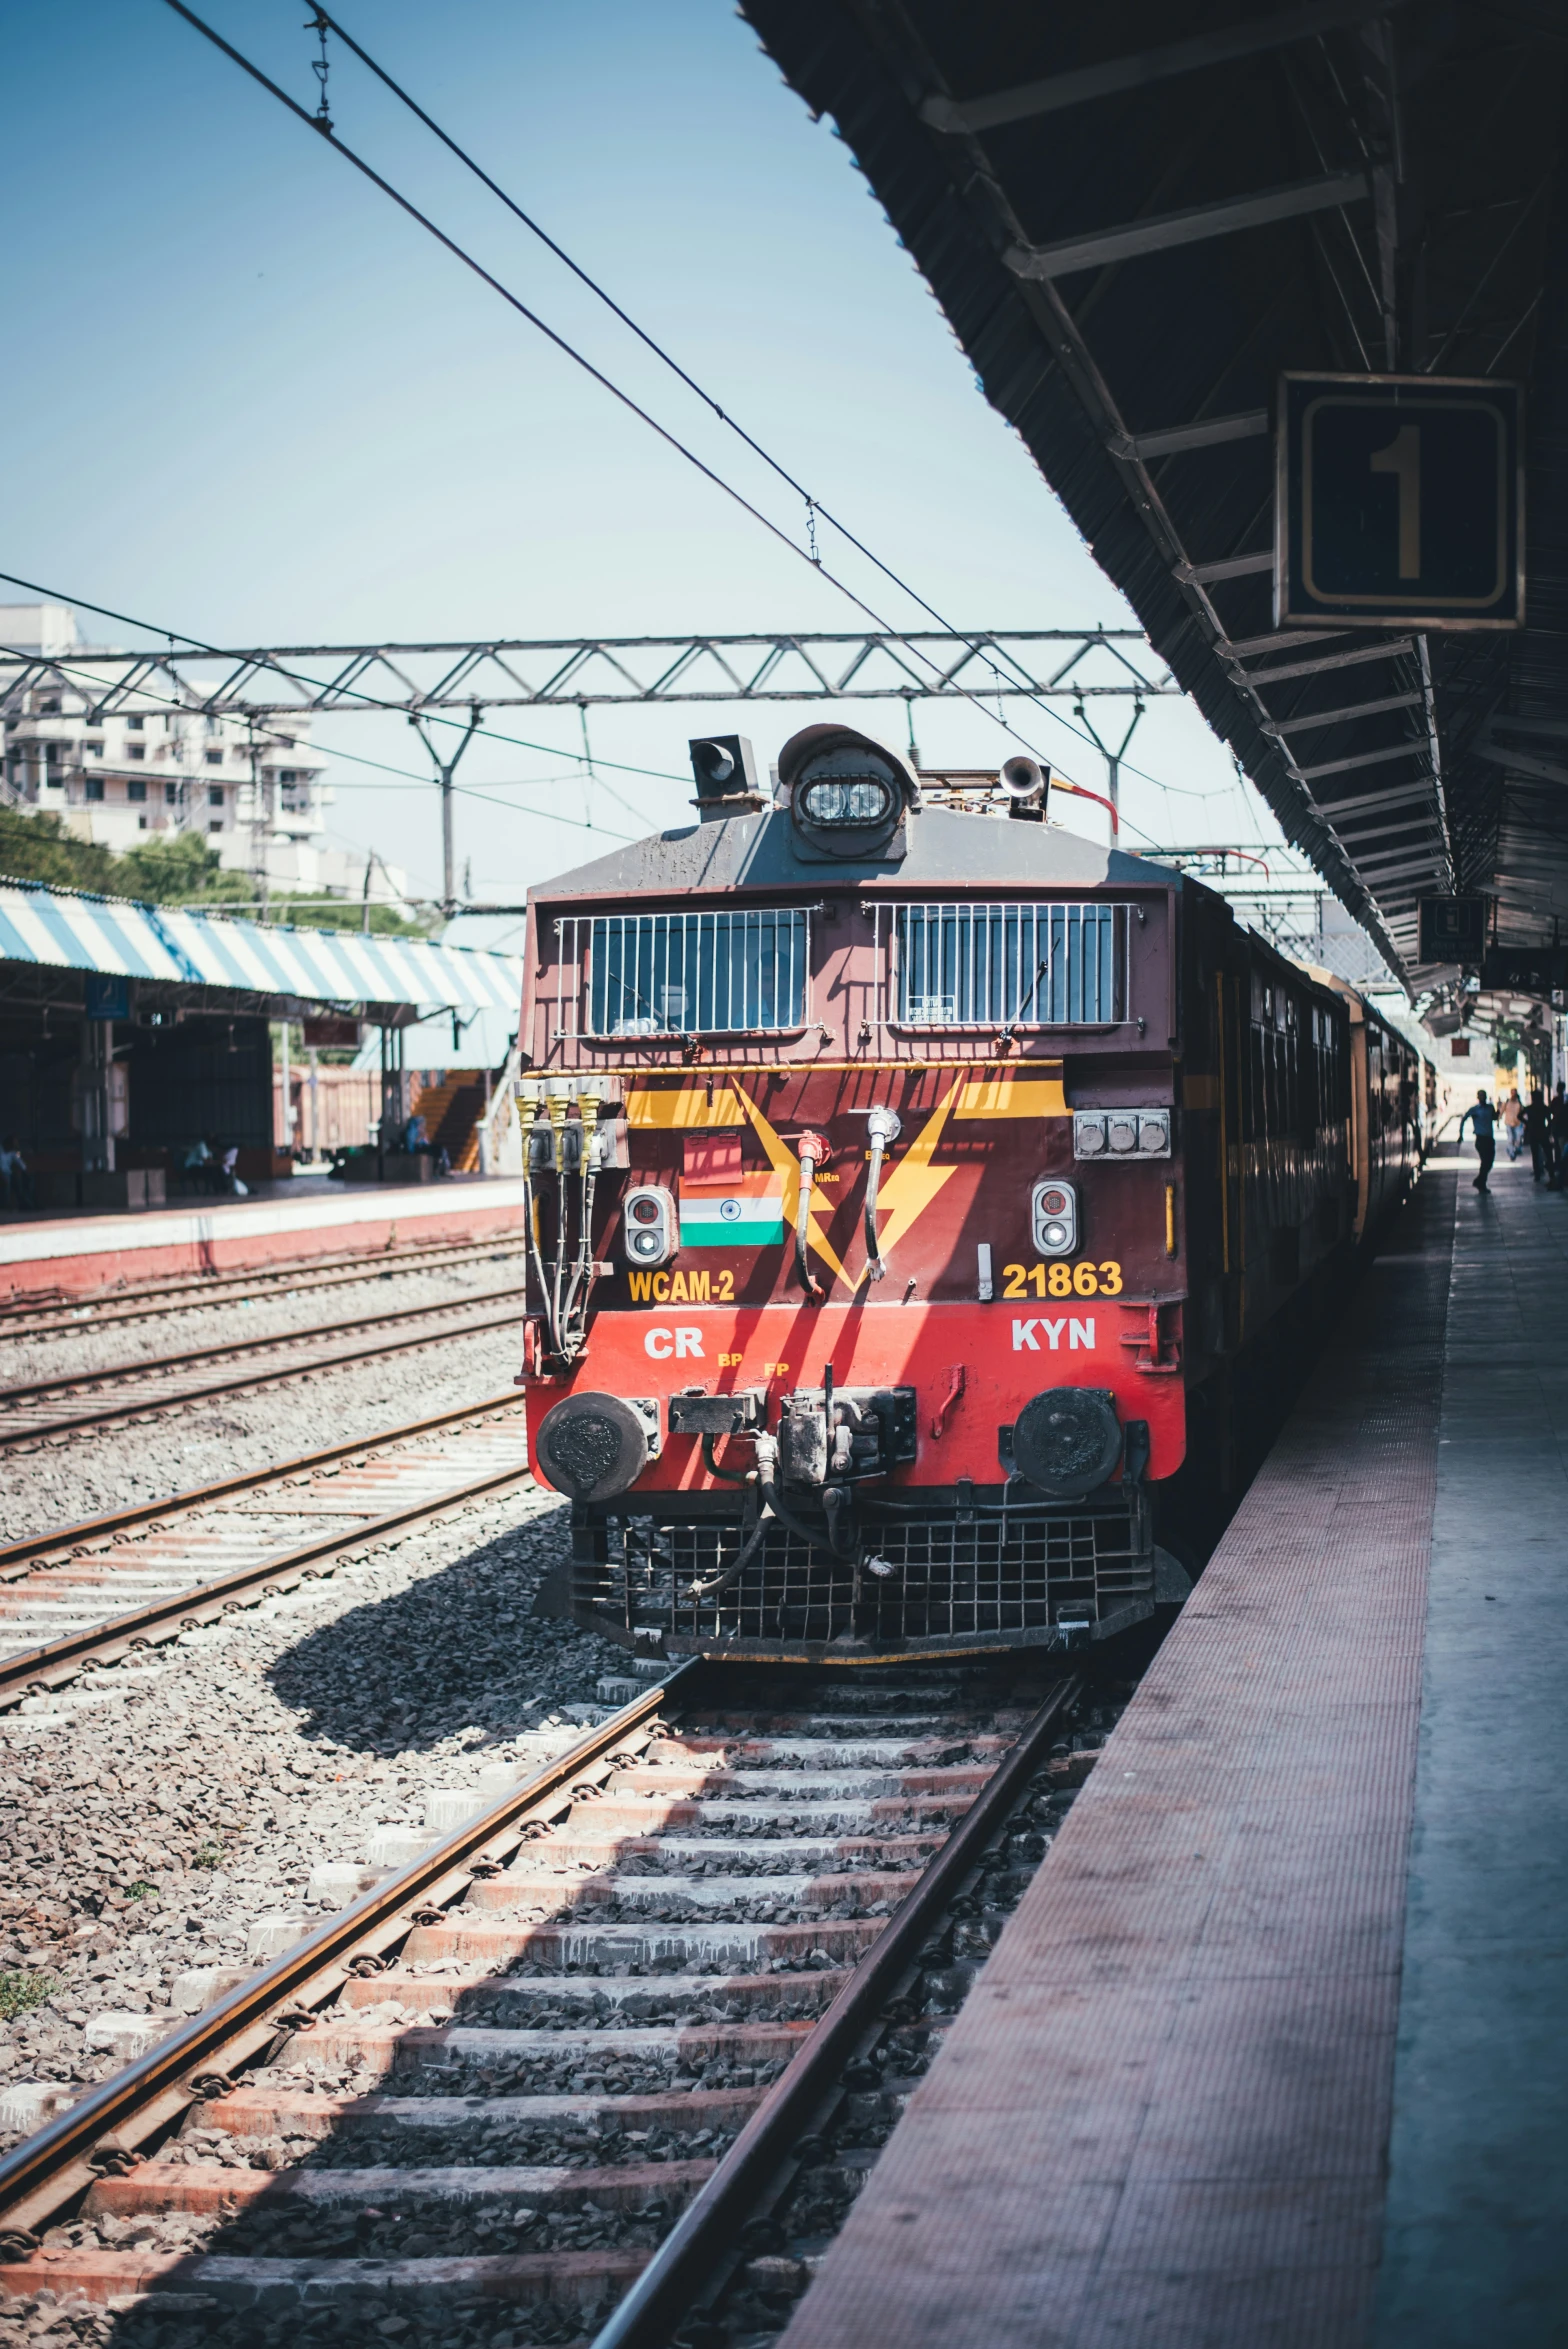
column 1271, row 2052
column 74, row 1252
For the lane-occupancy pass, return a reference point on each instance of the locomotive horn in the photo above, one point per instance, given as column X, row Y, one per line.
column 1023, row 777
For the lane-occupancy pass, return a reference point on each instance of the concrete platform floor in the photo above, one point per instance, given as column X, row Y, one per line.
column 1271, row 2056
column 83, row 1250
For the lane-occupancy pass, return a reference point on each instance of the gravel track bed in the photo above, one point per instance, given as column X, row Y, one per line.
column 162, row 1806
column 58, row 1482
column 89, row 1346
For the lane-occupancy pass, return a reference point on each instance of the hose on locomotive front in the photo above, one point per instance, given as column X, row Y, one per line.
column 574, row 1324
column 535, row 1257
column 882, row 1127
column 813, row 1153
column 773, row 1511
column 565, row 1315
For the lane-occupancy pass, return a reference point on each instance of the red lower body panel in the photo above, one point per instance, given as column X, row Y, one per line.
column 974, row 1368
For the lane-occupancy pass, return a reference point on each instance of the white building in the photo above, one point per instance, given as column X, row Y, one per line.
column 151, row 769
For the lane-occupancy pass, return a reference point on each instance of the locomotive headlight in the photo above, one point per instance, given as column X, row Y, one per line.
column 864, row 800
column 648, row 1224
column 1054, row 1216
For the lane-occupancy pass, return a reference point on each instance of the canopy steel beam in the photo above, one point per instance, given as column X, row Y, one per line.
column 1175, row 440
column 1141, row 67
column 1193, row 225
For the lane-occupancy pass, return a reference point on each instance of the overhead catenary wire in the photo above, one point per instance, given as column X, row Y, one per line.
column 370, row 701
column 607, row 383
column 814, row 506
column 412, row 781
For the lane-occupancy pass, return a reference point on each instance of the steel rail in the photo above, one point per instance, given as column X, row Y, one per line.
column 693, row 2254
column 19, row 1390
column 48, row 2170
column 59, row 1660
column 101, row 1308
column 17, row 1556
column 151, row 1405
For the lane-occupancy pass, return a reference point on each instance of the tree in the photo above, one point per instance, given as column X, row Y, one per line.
column 172, row 868
column 39, row 848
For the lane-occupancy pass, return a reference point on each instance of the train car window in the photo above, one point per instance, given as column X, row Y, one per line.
column 1014, row 965
column 724, row 971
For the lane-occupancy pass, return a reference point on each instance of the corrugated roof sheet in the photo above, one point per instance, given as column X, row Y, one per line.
column 120, row 939
column 992, row 132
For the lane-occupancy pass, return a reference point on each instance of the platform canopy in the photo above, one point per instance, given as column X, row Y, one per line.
column 1138, row 217
column 212, row 962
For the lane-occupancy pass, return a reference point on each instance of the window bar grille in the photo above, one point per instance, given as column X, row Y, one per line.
column 745, row 970
column 974, row 965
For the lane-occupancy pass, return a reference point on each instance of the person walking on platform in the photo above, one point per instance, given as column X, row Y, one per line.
column 1481, row 1114
column 1557, row 1122
column 1513, row 1125
column 16, row 1184
column 1537, row 1132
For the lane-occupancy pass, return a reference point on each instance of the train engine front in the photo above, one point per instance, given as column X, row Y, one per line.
column 855, row 1271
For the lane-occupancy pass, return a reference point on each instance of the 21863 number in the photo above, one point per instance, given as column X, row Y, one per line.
column 1062, row 1280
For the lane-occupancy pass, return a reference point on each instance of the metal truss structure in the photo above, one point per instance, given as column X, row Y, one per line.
column 317, row 680
column 1275, row 892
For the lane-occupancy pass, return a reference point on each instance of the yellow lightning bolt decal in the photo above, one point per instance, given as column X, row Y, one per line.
column 784, row 1162
column 914, row 1182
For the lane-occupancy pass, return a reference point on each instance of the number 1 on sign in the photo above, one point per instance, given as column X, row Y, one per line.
column 1402, row 457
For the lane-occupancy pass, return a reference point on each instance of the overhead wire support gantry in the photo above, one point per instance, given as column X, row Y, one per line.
column 1069, row 665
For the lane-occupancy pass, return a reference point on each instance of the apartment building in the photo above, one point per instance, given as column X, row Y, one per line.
column 157, row 766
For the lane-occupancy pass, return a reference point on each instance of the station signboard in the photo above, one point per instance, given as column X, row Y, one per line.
column 106, row 997
column 1526, row 970
column 332, row 1029
column 1453, row 929
column 1399, row 502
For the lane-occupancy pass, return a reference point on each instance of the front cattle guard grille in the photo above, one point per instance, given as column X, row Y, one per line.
column 1026, row 1578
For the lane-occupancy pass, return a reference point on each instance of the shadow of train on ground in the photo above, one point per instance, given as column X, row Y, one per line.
column 459, row 1648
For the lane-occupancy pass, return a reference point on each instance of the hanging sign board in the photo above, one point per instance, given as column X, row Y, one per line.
column 1526, row 970
column 106, row 998
column 331, row 1028
column 1453, row 929
column 1399, row 502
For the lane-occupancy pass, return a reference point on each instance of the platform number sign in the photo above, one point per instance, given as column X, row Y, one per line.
column 1453, row 929
column 1399, row 502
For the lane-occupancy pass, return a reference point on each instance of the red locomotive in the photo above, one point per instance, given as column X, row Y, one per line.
column 919, row 1195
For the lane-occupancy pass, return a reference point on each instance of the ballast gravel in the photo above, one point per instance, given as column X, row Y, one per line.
column 155, row 1810
column 92, row 1343
column 61, row 1480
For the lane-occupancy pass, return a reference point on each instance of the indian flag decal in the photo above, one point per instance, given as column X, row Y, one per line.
column 745, row 1212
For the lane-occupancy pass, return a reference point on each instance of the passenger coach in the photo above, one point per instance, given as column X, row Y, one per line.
column 917, row 1195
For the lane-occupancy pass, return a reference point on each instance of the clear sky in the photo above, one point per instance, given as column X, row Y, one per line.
column 246, row 397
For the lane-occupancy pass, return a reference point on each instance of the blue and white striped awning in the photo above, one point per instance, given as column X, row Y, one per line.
column 123, row 940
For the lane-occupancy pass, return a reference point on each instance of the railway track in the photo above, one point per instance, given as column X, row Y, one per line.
column 613, row 2058
column 108, row 1307
column 32, row 1410
column 88, row 1593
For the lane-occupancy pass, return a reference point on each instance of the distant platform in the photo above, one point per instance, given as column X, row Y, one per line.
column 73, row 1251
column 1271, row 2054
